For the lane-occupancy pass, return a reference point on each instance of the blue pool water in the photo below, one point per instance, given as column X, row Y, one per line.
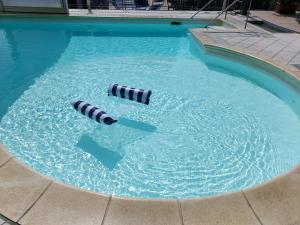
column 212, row 125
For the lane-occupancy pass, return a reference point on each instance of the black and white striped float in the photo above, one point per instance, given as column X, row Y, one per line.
column 134, row 94
column 93, row 112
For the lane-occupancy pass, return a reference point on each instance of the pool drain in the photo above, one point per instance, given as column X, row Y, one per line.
column 175, row 23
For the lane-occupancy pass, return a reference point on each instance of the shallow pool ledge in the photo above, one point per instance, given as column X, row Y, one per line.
column 29, row 198
column 242, row 56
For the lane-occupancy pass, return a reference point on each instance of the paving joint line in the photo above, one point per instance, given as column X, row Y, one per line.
column 298, row 53
column 252, row 44
column 272, row 43
column 236, row 43
column 33, row 204
column 259, row 220
column 106, row 209
column 277, row 53
column 12, row 157
column 180, row 211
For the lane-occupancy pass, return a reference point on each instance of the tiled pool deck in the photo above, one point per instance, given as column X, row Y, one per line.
column 29, row 198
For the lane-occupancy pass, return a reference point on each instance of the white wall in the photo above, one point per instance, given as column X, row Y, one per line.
column 33, row 3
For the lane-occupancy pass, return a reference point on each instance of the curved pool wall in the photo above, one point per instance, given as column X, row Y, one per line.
column 287, row 92
column 18, row 47
column 261, row 72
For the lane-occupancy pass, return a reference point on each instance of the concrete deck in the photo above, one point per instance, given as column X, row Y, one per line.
column 287, row 21
column 29, row 198
column 282, row 49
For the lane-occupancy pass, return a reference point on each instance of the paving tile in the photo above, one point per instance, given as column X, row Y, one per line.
column 297, row 74
column 260, row 46
column 223, row 210
column 142, row 212
column 279, row 20
column 278, row 202
column 4, row 155
column 296, row 59
column 63, row 205
column 19, row 189
column 249, row 42
column 273, row 50
column 286, row 55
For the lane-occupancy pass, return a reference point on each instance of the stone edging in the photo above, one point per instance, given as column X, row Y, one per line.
column 29, row 198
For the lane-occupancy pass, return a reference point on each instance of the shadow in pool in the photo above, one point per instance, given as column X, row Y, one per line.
column 136, row 125
column 25, row 55
column 109, row 143
column 107, row 157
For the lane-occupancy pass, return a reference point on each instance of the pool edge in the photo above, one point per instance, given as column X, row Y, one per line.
column 271, row 201
column 276, row 201
column 210, row 47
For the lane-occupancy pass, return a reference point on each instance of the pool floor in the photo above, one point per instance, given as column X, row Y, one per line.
column 212, row 125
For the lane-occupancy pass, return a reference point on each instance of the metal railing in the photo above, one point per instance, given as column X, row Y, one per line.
column 165, row 5
column 1, row 6
column 248, row 13
column 224, row 10
column 207, row 4
column 220, row 13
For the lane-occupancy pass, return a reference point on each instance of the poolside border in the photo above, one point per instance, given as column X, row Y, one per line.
column 29, row 198
column 260, row 61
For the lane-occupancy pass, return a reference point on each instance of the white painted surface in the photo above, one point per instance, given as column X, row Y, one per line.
column 33, row 3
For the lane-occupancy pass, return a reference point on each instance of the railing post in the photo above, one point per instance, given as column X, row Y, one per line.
column 224, row 7
column 248, row 14
column 65, row 5
column 1, row 6
column 207, row 4
column 88, row 2
column 245, row 6
column 224, row 4
column 220, row 13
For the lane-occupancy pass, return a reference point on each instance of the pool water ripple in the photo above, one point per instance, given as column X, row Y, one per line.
column 205, row 131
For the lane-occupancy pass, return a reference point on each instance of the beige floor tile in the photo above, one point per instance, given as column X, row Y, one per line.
column 297, row 74
column 142, row 212
column 62, row 205
column 278, row 202
column 223, row 210
column 19, row 189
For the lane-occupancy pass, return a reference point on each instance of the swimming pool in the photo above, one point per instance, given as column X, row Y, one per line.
column 212, row 126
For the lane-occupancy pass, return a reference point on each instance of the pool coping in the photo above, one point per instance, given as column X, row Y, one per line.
column 29, row 198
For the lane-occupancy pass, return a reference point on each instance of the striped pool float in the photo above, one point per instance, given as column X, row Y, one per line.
column 93, row 112
column 134, row 94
